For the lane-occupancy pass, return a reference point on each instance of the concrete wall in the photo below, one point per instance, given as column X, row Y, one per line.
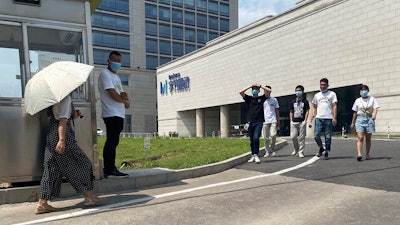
column 67, row 11
column 348, row 41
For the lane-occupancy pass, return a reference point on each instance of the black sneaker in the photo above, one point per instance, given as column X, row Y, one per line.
column 326, row 157
column 321, row 150
column 115, row 174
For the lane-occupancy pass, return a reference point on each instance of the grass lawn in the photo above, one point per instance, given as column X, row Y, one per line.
column 176, row 153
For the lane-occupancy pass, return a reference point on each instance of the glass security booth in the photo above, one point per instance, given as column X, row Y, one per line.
column 32, row 37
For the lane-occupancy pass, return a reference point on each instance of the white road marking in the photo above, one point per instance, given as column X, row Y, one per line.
column 146, row 199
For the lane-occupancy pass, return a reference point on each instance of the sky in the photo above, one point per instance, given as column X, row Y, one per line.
column 253, row 10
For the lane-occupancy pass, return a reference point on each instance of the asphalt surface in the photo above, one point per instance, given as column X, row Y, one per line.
column 382, row 172
column 280, row 190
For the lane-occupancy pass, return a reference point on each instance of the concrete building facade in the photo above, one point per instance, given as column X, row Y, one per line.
column 350, row 42
column 149, row 33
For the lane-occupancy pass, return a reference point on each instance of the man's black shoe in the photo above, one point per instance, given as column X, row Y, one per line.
column 321, row 150
column 115, row 174
column 326, row 157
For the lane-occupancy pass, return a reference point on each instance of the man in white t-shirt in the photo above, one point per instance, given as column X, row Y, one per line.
column 114, row 101
column 324, row 111
column 271, row 123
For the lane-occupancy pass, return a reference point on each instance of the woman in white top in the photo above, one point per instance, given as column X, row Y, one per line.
column 365, row 109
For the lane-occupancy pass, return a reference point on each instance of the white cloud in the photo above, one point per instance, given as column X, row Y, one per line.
column 252, row 10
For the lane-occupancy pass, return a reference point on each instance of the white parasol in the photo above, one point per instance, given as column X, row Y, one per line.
column 50, row 85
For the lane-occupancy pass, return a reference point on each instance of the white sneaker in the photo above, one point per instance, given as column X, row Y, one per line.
column 252, row 159
column 269, row 154
column 294, row 152
column 256, row 159
column 301, row 155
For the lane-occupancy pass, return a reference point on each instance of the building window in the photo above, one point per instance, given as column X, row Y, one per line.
column 127, row 124
column 164, row 14
column 190, row 35
column 177, row 16
column 202, row 5
column 213, row 22
column 202, row 20
column 124, row 79
column 164, row 2
column 151, row 46
column 189, row 48
column 110, row 22
column 151, row 11
column 164, row 60
column 101, row 56
column 165, row 31
column 213, row 7
column 119, row 6
column 177, row 3
column 151, row 29
column 177, row 33
column 224, row 25
column 189, row 4
column 177, row 48
column 212, row 35
column 189, row 18
column 165, row 47
column 151, row 62
column 224, row 9
column 201, row 36
column 110, row 40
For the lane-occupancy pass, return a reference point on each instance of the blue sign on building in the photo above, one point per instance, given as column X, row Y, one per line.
column 176, row 83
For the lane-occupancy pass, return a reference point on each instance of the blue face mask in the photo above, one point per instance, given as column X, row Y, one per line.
column 364, row 93
column 324, row 91
column 115, row 66
column 299, row 93
column 255, row 92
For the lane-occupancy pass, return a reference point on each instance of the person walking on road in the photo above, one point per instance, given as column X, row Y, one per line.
column 64, row 158
column 271, row 124
column 365, row 110
column 255, row 117
column 298, row 115
column 114, row 101
column 324, row 111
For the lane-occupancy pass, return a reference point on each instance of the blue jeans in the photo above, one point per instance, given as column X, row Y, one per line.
column 255, row 134
column 323, row 127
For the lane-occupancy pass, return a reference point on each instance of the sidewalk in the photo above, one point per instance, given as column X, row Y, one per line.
column 138, row 179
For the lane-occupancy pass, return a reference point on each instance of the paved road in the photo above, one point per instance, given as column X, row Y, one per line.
column 338, row 191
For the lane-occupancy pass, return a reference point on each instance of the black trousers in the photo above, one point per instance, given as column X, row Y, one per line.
column 114, row 126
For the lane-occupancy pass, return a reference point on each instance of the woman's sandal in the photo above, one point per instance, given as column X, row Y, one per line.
column 367, row 157
column 359, row 158
column 93, row 201
column 45, row 208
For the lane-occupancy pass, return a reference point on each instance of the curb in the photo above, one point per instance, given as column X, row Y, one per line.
column 137, row 179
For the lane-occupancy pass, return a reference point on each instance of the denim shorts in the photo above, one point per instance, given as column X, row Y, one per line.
column 365, row 124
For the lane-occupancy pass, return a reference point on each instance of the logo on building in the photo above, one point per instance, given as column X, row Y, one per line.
column 175, row 83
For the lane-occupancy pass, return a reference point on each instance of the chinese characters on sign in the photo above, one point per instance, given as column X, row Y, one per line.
column 175, row 84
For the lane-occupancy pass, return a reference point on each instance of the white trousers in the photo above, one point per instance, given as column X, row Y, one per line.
column 269, row 131
column 298, row 135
